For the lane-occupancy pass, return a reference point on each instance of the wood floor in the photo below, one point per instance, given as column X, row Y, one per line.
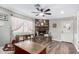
column 56, row 47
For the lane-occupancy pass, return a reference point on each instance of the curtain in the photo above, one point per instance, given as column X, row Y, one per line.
column 21, row 26
column 17, row 23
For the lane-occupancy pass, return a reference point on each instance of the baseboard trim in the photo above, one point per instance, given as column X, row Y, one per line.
column 76, row 47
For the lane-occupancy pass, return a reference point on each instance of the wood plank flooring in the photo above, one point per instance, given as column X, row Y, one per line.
column 56, row 47
column 62, row 47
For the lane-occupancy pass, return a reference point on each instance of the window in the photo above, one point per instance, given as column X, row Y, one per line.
column 21, row 26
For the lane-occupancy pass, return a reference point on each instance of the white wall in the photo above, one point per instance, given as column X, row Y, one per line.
column 77, row 33
column 67, row 35
column 57, row 33
column 4, row 34
column 4, row 30
column 77, row 41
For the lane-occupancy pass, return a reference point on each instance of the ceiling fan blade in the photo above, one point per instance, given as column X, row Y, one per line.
column 35, row 12
column 38, row 9
column 41, row 10
column 48, row 13
column 47, row 10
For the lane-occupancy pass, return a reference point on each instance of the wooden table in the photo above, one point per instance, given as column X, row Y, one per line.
column 29, row 47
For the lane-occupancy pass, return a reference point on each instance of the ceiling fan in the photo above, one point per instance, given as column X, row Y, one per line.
column 41, row 11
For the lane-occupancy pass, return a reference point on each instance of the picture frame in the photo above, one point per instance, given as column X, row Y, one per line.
column 54, row 25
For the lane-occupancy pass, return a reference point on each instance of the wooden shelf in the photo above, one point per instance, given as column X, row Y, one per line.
column 44, row 28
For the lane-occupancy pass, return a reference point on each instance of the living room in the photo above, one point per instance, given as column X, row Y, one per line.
column 51, row 28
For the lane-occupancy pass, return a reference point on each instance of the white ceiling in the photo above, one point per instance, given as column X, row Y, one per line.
column 57, row 10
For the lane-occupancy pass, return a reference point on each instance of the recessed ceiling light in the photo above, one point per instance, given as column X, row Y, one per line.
column 62, row 12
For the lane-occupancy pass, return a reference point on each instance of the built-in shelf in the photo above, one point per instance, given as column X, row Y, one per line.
column 41, row 26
